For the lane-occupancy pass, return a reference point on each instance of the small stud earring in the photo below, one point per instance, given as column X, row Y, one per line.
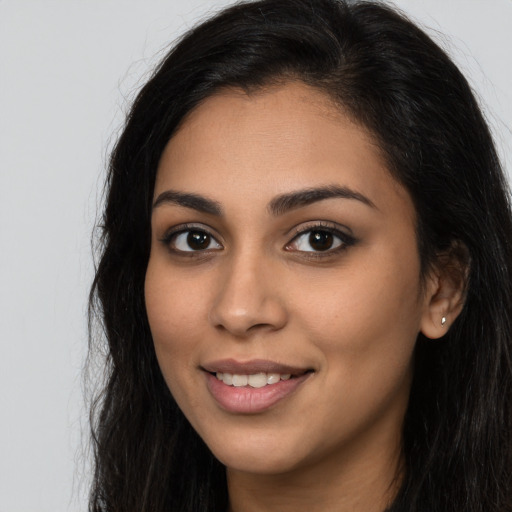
column 443, row 320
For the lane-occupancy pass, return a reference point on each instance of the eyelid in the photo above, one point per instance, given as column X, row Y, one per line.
column 174, row 231
column 343, row 233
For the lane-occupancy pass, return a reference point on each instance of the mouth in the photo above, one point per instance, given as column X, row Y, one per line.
column 255, row 380
column 253, row 386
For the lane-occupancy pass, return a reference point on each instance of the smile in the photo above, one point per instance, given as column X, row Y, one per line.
column 252, row 387
column 255, row 380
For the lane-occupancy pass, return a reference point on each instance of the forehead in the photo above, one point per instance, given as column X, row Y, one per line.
column 270, row 142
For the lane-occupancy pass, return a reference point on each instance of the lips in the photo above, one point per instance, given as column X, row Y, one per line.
column 254, row 386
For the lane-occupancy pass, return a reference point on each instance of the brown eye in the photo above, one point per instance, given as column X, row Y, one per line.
column 318, row 240
column 321, row 240
column 193, row 240
column 198, row 240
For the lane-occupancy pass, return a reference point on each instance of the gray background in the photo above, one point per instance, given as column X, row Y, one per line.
column 68, row 70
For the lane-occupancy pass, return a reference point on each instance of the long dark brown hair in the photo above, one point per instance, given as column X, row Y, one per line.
column 400, row 86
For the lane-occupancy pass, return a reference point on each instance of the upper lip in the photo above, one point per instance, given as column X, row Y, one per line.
column 251, row 367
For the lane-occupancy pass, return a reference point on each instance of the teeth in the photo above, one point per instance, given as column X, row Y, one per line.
column 257, row 380
column 272, row 378
column 240, row 380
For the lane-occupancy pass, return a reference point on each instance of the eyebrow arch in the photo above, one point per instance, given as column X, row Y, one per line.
column 290, row 201
column 188, row 200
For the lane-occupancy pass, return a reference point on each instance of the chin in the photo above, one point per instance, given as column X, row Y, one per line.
column 260, row 464
column 257, row 455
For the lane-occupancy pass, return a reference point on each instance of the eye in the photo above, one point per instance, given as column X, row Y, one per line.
column 320, row 240
column 191, row 240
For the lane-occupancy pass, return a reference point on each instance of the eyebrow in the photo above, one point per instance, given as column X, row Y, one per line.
column 278, row 206
column 290, row 201
column 188, row 200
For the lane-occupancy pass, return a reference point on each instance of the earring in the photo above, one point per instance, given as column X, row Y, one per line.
column 443, row 320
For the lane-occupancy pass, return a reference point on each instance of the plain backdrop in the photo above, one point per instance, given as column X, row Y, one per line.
column 68, row 70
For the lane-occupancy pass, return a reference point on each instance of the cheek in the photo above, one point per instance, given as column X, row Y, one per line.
column 368, row 321
column 173, row 309
column 366, row 337
column 173, row 302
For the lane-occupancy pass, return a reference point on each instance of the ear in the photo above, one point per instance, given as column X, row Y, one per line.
column 445, row 289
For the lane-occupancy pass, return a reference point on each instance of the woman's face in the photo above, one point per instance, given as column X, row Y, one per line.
column 282, row 246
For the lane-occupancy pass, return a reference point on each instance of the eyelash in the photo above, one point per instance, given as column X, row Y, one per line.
column 170, row 237
column 344, row 240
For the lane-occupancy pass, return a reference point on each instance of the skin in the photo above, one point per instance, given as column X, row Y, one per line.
column 259, row 290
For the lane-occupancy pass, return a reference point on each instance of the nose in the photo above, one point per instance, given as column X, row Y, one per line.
column 249, row 298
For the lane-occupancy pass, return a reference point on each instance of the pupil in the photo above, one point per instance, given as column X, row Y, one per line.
column 198, row 240
column 321, row 240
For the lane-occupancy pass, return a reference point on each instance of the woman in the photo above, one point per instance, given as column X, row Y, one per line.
column 305, row 279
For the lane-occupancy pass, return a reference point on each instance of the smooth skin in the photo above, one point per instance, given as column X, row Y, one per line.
column 329, row 284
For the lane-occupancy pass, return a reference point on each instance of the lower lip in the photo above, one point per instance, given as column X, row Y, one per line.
column 247, row 400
